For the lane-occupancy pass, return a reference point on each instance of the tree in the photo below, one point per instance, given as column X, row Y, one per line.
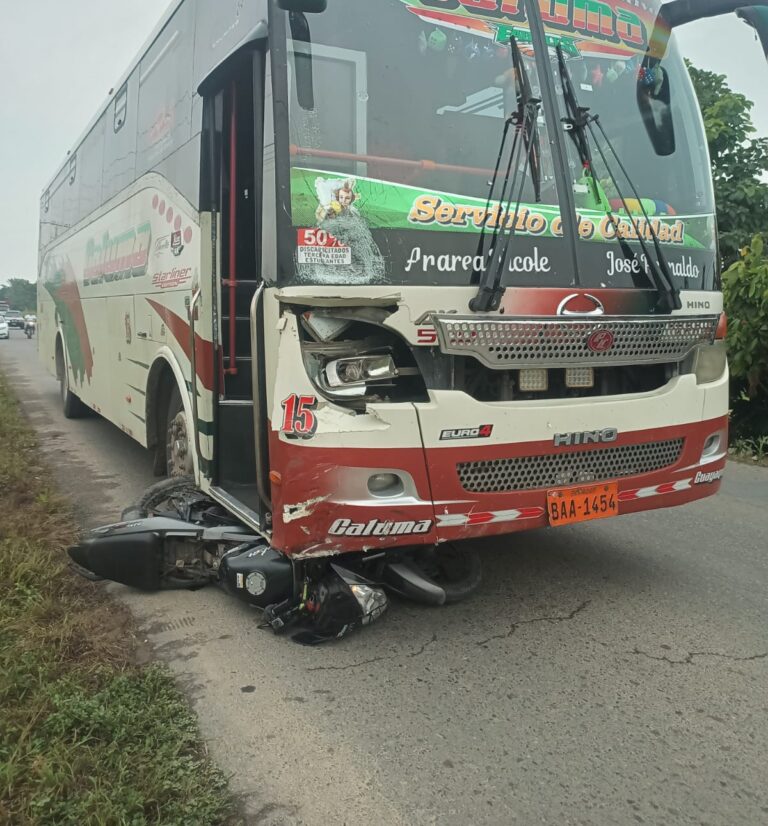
column 745, row 287
column 739, row 162
column 20, row 294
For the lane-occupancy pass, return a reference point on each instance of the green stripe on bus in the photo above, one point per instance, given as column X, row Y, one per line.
column 204, row 428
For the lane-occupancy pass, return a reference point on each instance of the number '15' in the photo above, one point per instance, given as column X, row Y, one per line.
column 299, row 417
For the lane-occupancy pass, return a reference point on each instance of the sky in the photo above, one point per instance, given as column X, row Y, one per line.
column 60, row 58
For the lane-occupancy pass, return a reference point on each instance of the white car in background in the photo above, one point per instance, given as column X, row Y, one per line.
column 4, row 329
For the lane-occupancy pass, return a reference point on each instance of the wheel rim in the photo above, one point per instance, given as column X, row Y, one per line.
column 179, row 454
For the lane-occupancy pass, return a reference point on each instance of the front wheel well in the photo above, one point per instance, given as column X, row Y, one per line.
column 160, row 386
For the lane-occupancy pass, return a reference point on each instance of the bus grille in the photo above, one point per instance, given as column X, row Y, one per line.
column 511, row 343
column 556, row 470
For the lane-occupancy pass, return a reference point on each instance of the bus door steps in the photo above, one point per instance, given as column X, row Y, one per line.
column 237, row 385
column 242, row 501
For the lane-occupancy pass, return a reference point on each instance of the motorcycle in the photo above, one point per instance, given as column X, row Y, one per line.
column 176, row 537
column 29, row 329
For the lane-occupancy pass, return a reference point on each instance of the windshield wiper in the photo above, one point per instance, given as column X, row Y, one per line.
column 579, row 121
column 524, row 121
column 526, row 99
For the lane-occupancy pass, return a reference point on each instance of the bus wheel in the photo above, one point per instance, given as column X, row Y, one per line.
column 178, row 445
column 71, row 405
column 456, row 568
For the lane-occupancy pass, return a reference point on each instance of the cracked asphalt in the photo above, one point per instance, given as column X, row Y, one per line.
column 612, row 673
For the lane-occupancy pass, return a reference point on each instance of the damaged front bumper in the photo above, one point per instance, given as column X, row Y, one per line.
column 188, row 549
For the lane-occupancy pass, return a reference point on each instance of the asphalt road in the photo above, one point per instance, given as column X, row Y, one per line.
column 612, row 673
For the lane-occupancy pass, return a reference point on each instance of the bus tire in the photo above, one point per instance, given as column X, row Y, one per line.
column 455, row 567
column 71, row 405
column 178, row 439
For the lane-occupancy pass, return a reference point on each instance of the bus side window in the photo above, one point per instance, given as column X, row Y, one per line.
column 121, row 108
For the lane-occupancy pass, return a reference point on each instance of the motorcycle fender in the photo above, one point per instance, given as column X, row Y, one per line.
column 130, row 553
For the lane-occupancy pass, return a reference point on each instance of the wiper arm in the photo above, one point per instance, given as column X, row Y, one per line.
column 579, row 122
column 525, row 98
column 523, row 120
column 576, row 123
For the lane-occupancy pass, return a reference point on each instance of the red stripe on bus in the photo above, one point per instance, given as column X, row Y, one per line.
column 182, row 333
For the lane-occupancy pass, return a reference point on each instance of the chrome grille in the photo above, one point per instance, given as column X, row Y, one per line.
column 509, row 343
column 555, row 470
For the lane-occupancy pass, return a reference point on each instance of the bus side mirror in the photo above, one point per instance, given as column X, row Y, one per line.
column 305, row 85
column 306, row 6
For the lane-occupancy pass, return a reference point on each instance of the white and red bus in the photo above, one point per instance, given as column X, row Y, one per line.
column 401, row 274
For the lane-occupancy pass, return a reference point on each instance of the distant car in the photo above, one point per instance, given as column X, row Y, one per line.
column 15, row 319
column 5, row 332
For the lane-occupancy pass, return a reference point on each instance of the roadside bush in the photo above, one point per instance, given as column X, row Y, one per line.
column 745, row 287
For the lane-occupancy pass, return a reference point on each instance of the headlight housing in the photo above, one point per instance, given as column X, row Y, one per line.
column 354, row 362
column 360, row 370
column 710, row 362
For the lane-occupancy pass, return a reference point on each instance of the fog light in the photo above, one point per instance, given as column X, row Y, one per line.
column 534, row 381
column 579, row 377
column 352, row 371
column 712, row 446
column 384, row 485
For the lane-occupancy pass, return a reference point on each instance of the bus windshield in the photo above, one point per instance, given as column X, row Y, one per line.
column 396, row 119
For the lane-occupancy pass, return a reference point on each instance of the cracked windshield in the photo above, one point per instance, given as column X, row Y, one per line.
column 396, row 129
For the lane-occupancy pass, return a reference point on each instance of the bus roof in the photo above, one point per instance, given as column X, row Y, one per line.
column 156, row 32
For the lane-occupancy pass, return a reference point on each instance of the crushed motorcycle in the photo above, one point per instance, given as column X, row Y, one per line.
column 176, row 537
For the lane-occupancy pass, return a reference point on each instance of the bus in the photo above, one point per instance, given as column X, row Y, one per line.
column 374, row 281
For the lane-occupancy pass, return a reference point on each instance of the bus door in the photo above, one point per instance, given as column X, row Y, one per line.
column 232, row 187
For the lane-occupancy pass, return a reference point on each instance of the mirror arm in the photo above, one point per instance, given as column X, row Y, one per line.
column 680, row 12
column 303, row 6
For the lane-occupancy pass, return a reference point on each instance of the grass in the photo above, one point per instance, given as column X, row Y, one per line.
column 754, row 450
column 87, row 736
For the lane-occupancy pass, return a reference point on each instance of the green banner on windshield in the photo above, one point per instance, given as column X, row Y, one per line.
column 318, row 196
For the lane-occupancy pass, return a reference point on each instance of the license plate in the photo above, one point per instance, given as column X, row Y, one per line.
column 569, row 505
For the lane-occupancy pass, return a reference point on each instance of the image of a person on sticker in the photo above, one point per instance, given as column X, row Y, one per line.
column 336, row 198
column 338, row 215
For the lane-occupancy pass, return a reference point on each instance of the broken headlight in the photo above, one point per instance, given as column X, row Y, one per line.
column 363, row 370
column 343, row 601
column 353, row 362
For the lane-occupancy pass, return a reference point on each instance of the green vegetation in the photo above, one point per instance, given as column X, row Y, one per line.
column 755, row 450
column 739, row 162
column 740, row 171
column 20, row 295
column 745, row 286
column 87, row 737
